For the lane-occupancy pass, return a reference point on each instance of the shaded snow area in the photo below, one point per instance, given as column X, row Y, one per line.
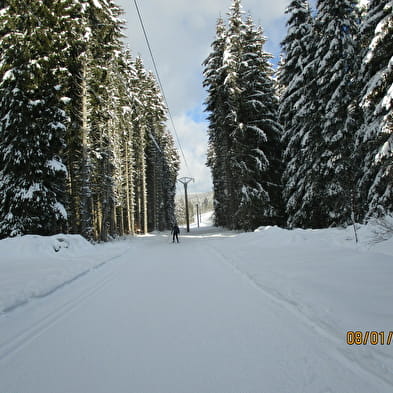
column 221, row 312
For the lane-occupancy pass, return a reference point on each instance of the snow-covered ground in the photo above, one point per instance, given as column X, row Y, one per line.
column 221, row 312
column 34, row 266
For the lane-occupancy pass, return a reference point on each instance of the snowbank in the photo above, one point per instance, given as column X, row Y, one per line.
column 33, row 266
column 377, row 236
column 324, row 277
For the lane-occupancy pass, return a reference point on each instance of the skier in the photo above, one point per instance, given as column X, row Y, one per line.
column 175, row 231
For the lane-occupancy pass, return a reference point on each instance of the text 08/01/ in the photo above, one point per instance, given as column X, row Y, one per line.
column 369, row 337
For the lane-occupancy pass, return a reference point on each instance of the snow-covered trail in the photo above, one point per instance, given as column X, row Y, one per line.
column 169, row 318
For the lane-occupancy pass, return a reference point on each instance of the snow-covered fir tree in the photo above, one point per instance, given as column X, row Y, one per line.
column 76, row 153
column 125, row 79
column 244, row 135
column 229, row 111
column 294, row 78
column 374, row 139
column 104, row 46
column 320, row 190
column 218, row 139
column 32, row 119
column 162, row 161
column 257, row 149
column 140, row 141
column 337, row 50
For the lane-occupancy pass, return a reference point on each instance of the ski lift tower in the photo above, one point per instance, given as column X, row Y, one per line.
column 185, row 181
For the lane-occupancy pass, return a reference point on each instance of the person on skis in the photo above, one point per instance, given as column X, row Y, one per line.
column 175, row 231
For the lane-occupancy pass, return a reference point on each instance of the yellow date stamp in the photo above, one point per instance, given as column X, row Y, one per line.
column 369, row 337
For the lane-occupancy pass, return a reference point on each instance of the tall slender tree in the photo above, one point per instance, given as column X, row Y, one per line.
column 33, row 121
column 375, row 135
column 218, row 140
column 126, row 77
column 337, row 50
column 295, row 76
column 257, row 147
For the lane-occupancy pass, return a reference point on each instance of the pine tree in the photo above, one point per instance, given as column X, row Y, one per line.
column 77, row 154
column 257, row 147
column 126, row 77
column 91, row 137
column 244, row 135
column 231, row 106
column 294, row 78
column 375, row 136
column 33, row 121
column 156, row 170
column 171, row 165
column 218, row 142
column 319, row 185
column 335, row 80
column 140, row 142
column 296, row 55
column 104, row 47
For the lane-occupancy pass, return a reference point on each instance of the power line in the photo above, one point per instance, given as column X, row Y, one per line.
column 159, row 81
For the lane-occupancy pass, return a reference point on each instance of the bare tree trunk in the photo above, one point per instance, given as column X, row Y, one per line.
column 114, row 229
column 129, row 197
column 144, row 196
column 121, row 223
column 86, row 202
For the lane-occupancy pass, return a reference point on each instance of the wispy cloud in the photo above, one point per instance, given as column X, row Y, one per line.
column 194, row 136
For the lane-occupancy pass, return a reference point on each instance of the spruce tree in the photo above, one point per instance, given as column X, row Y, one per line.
column 77, row 151
column 231, row 122
column 104, row 47
column 33, row 120
column 126, row 77
column 295, row 77
column 257, row 147
column 171, row 165
column 375, row 136
column 337, row 51
column 156, row 170
column 140, row 142
column 218, row 141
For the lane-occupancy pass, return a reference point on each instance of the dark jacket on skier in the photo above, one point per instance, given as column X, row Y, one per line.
column 175, row 231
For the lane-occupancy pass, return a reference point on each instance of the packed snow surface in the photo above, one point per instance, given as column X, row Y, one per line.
column 221, row 312
column 34, row 266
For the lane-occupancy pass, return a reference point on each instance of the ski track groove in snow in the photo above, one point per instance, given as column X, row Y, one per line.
column 12, row 346
column 55, row 288
column 344, row 357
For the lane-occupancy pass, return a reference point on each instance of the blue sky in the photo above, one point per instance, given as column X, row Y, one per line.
column 197, row 114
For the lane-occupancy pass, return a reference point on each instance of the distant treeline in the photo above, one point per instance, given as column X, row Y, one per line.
column 204, row 200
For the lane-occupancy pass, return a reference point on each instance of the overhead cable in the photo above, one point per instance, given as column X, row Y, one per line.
column 159, row 81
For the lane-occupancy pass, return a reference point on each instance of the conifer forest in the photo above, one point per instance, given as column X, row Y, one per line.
column 85, row 149
column 310, row 145
column 83, row 143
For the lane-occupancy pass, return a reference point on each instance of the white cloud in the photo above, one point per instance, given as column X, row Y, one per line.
column 193, row 137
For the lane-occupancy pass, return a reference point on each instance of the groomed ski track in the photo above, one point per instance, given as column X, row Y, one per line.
column 171, row 318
